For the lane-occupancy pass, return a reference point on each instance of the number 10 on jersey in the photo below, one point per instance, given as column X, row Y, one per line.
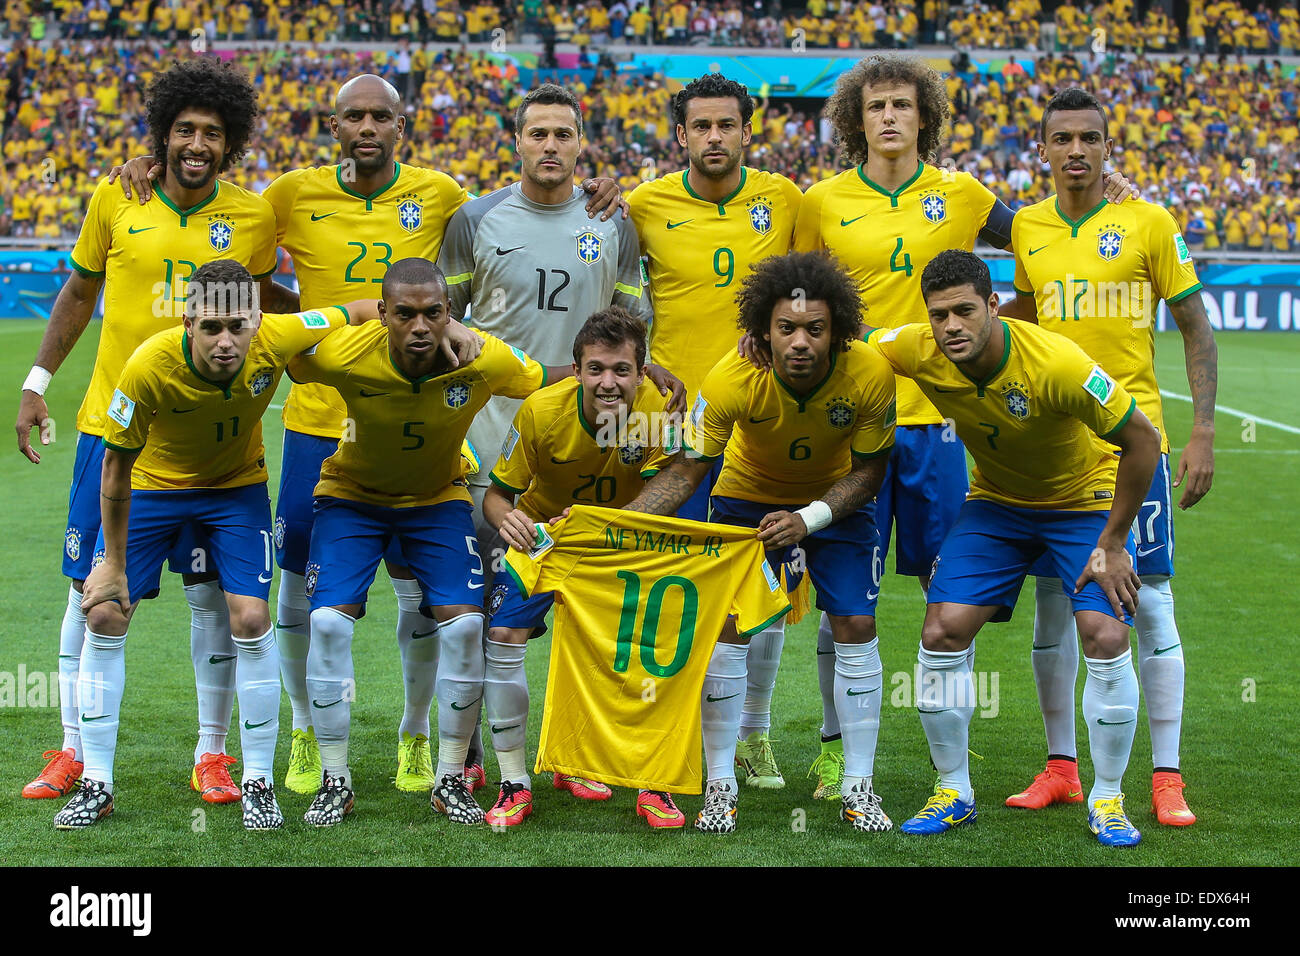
column 648, row 642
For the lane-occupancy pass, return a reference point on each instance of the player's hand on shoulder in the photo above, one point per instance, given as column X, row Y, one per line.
column 140, row 173
column 1117, row 188
column 517, row 530
column 781, row 529
column 747, row 348
column 104, row 583
column 668, row 384
column 461, row 345
column 1113, row 571
column 606, row 198
column 32, row 413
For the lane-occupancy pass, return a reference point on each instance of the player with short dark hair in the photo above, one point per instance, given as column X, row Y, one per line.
column 183, row 444
column 814, row 431
column 1096, row 274
column 1033, row 409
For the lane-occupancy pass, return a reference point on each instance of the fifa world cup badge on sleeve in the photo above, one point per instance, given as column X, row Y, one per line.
column 121, row 409
column 1099, row 385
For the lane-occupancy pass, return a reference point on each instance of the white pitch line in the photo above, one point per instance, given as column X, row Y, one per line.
column 1236, row 411
column 1247, row 451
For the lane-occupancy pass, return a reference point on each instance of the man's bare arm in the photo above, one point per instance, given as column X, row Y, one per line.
column 277, row 298
column 669, row 490
column 1201, row 356
column 857, row 487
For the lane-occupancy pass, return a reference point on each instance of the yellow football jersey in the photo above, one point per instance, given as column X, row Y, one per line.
column 1098, row 281
column 787, row 449
column 342, row 243
column 401, row 441
column 1032, row 425
column 698, row 254
column 196, row 433
column 885, row 239
column 555, row 458
column 639, row 603
column 146, row 255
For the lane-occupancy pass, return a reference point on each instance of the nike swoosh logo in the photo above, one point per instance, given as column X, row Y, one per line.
column 1045, row 647
column 100, row 717
column 1075, row 793
column 132, row 231
column 221, row 658
column 674, row 225
column 567, row 461
column 365, row 394
column 316, row 218
column 289, row 627
column 661, row 814
column 248, row 726
column 1039, row 249
column 506, row 252
column 759, row 421
column 948, row 390
column 182, row 411
column 713, row 700
column 467, row 706
column 920, row 711
column 69, row 657
column 1114, row 723
column 849, row 222
column 1143, row 553
column 824, row 653
column 858, row 693
column 316, row 703
column 1161, row 650
column 500, row 730
column 264, row 580
column 419, row 634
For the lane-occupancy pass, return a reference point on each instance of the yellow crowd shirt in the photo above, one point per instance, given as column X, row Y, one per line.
column 146, row 255
column 192, row 432
column 639, row 603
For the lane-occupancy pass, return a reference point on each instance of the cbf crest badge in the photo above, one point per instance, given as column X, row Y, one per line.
column 72, row 543
column 410, row 212
column 221, row 230
column 456, row 394
column 760, row 215
column 934, row 206
column 1110, row 242
column 632, row 453
column 839, row 412
column 589, row 247
column 260, row 382
column 1016, row 396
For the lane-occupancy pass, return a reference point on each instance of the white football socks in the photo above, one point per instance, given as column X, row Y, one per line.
column 945, row 701
column 212, row 651
column 100, row 685
column 72, row 635
column 1110, row 701
column 331, row 686
column 257, row 679
column 826, row 677
column 417, row 640
column 1161, row 668
column 293, row 638
column 460, row 690
column 721, row 700
column 762, row 663
column 505, row 694
column 858, row 673
column 1055, row 658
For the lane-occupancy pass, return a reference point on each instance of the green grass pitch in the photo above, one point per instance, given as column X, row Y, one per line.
column 1237, row 562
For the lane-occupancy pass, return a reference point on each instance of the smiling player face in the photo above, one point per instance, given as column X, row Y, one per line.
column 609, row 378
column 196, row 147
column 800, row 337
column 1076, row 149
column 714, row 136
column 417, row 318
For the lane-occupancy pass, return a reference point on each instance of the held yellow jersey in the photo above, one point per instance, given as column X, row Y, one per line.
column 196, row 433
column 342, row 243
column 698, row 254
column 146, row 255
column 785, row 448
column 555, row 458
column 401, row 444
column 886, row 239
column 639, row 603
column 1032, row 425
column 1098, row 281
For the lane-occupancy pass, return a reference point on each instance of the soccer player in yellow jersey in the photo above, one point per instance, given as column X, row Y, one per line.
column 702, row 230
column 1095, row 273
column 814, row 430
column 183, row 444
column 1033, row 409
column 402, row 476
column 592, row 439
column 141, row 256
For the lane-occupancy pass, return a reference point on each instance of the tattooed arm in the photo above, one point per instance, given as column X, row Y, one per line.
column 781, row 529
column 68, row 319
column 1202, row 358
column 668, row 490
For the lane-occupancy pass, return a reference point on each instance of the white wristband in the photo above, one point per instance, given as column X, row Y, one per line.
column 38, row 380
column 816, row 516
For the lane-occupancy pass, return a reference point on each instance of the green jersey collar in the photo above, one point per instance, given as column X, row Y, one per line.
column 185, row 214
column 891, row 196
column 722, row 206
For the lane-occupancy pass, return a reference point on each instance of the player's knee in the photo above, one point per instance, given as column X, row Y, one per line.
column 940, row 633
column 248, row 623
column 854, row 629
column 1103, row 637
column 508, row 635
column 106, row 618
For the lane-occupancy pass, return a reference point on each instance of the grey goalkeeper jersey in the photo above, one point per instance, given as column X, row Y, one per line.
column 531, row 274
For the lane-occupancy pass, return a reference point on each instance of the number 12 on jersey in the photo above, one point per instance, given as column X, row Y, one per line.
column 650, row 623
